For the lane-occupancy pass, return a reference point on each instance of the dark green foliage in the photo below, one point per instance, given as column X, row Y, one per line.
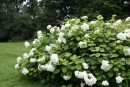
column 36, row 16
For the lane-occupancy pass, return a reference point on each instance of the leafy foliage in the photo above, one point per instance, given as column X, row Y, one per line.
column 81, row 51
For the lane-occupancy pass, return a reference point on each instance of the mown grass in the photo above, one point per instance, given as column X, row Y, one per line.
column 9, row 77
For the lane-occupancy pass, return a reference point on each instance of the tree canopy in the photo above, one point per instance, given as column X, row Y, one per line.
column 20, row 19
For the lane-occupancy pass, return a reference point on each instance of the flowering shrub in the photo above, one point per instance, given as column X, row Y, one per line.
column 80, row 53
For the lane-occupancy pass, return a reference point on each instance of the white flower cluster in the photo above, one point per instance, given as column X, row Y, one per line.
column 86, row 36
column 39, row 35
column 89, row 79
column 85, row 65
column 125, row 35
column 61, row 38
column 92, row 22
column 31, row 53
column 41, row 59
column 49, row 67
column 48, row 48
column 66, row 77
column 33, row 60
column 119, row 79
column 127, row 19
column 105, row 83
column 27, row 44
column 105, row 65
column 118, row 22
column 36, row 42
column 54, row 58
column 84, row 27
column 82, row 44
column 25, row 56
column 25, row 71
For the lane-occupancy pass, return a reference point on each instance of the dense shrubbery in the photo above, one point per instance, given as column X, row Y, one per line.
column 80, row 53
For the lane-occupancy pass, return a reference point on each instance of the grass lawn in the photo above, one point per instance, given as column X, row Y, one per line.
column 9, row 77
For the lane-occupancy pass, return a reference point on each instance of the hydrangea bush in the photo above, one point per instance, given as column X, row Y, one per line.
column 80, row 53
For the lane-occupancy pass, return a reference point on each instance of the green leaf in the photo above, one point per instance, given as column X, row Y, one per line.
column 115, row 55
column 78, row 67
column 102, row 50
column 70, row 85
column 122, row 67
column 69, row 73
column 67, row 55
column 73, row 57
column 93, row 67
column 99, row 77
column 100, row 60
column 97, row 54
column 64, row 69
column 65, row 63
column 78, row 38
column 56, row 71
column 63, row 86
column 97, row 48
column 116, row 69
column 110, row 74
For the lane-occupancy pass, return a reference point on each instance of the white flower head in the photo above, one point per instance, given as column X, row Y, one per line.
column 63, row 27
column 61, row 39
column 54, row 58
column 127, row 19
column 36, row 42
column 31, row 53
column 128, row 35
column 80, row 74
column 90, row 80
column 49, row 67
column 105, row 83
column 70, row 33
column 19, row 59
column 108, row 24
column 82, row 44
column 41, row 59
column 48, row 48
column 61, row 34
column 39, row 33
column 67, row 25
column 105, row 65
column 86, row 36
column 33, row 60
column 85, row 65
column 127, row 30
column 66, row 77
column 52, row 30
column 84, row 27
column 84, row 17
column 25, row 56
column 43, row 67
column 25, row 71
column 119, row 79
column 27, row 44
column 118, row 22
column 72, row 20
column 92, row 22
column 40, row 37
column 16, row 66
column 49, row 27
column 121, row 36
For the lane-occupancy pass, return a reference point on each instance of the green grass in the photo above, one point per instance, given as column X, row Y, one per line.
column 9, row 77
